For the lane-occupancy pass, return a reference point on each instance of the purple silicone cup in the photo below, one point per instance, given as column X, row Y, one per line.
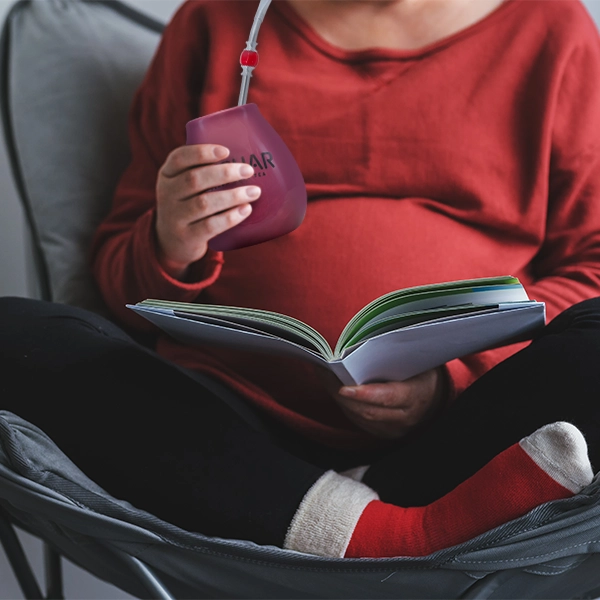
column 251, row 139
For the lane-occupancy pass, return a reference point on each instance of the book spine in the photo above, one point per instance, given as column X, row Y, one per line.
column 339, row 370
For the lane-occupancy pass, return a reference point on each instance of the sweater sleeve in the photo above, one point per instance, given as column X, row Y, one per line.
column 566, row 269
column 123, row 254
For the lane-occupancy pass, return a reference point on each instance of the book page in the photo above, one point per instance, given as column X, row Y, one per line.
column 197, row 332
column 398, row 321
column 479, row 291
column 401, row 354
column 266, row 321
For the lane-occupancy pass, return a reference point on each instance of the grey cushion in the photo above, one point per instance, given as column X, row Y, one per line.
column 73, row 67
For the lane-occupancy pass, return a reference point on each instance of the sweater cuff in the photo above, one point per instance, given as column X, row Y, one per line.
column 460, row 377
column 152, row 276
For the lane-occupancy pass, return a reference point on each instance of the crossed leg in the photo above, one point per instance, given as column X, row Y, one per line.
column 151, row 433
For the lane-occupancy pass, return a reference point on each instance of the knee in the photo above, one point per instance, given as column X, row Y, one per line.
column 36, row 334
column 24, row 317
column 591, row 306
column 584, row 316
column 14, row 309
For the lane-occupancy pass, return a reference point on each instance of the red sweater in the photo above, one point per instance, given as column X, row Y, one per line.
column 475, row 156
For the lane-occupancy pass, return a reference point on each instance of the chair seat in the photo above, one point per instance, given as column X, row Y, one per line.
column 552, row 552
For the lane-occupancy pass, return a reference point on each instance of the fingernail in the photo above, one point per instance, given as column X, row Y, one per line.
column 220, row 152
column 246, row 170
column 348, row 391
column 253, row 191
column 245, row 210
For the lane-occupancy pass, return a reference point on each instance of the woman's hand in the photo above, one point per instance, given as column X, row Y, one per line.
column 189, row 212
column 391, row 410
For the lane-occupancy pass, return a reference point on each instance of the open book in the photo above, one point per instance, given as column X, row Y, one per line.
column 394, row 337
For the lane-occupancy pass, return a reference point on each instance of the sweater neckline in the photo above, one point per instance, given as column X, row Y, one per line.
column 376, row 53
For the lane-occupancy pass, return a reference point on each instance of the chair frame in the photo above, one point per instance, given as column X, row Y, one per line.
column 53, row 567
column 17, row 558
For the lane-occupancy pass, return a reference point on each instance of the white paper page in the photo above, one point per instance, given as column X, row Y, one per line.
column 244, row 325
column 401, row 354
column 483, row 295
column 194, row 332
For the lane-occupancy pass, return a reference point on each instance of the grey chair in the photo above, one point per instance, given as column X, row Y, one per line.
column 69, row 69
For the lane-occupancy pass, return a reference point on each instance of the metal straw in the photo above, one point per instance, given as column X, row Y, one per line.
column 251, row 46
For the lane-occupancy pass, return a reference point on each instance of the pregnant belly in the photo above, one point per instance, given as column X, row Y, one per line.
column 348, row 252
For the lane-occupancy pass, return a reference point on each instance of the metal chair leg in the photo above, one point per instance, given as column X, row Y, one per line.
column 53, row 569
column 146, row 576
column 18, row 560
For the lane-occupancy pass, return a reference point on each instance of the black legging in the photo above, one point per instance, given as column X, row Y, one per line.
column 186, row 449
column 555, row 378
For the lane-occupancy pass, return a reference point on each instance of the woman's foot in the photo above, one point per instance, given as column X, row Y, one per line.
column 342, row 517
